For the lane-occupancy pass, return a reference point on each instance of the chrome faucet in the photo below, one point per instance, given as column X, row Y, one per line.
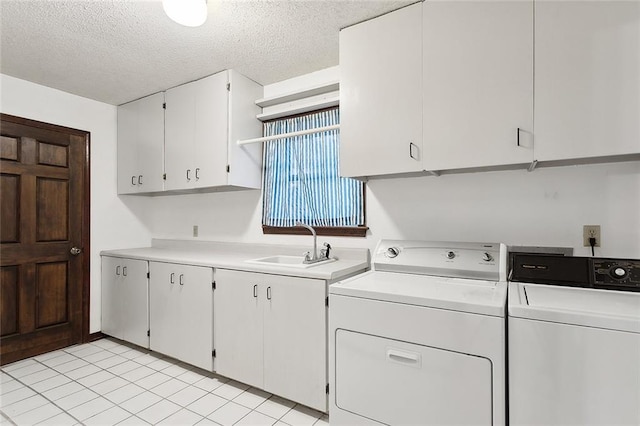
column 308, row 258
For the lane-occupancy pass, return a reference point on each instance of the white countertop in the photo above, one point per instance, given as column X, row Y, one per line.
column 235, row 255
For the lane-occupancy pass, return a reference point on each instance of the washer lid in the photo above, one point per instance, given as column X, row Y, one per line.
column 614, row 310
column 457, row 294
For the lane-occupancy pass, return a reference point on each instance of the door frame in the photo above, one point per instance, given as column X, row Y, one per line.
column 86, row 214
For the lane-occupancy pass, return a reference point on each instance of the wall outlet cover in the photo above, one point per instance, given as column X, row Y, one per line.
column 590, row 231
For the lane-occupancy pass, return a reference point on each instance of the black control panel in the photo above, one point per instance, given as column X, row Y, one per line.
column 617, row 274
column 600, row 273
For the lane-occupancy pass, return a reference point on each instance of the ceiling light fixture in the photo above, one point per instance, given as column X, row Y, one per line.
column 190, row 13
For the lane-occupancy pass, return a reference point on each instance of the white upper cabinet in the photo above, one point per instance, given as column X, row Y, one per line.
column 203, row 121
column 381, row 95
column 587, row 79
column 478, row 84
column 141, row 145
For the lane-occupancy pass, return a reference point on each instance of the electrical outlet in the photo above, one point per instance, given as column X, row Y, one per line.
column 195, row 230
column 590, row 231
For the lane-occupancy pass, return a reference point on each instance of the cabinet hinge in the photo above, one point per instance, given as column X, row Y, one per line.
column 327, row 388
column 164, row 176
column 164, row 105
column 148, row 333
column 326, row 301
column 228, row 168
column 213, row 353
column 148, row 275
column 228, row 87
column 213, row 285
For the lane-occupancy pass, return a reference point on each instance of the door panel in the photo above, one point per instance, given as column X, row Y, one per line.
column 10, row 224
column 478, row 85
column 9, row 148
column 195, row 307
column 111, row 307
column 53, row 155
column 45, row 212
column 51, row 294
column 295, row 318
column 179, row 131
column 9, row 300
column 210, row 140
column 239, row 299
column 51, row 220
column 135, row 302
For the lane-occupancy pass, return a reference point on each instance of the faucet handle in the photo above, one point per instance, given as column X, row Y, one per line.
column 307, row 256
column 325, row 251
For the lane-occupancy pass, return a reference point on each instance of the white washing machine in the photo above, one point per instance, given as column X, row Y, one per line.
column 574, row 345
column 420, row 339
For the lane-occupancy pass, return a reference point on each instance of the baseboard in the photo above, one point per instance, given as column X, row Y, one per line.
column 96, row 336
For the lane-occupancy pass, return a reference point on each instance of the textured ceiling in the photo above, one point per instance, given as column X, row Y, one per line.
column 115, row 51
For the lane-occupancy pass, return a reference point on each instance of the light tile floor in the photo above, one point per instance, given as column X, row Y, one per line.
column 108, row 382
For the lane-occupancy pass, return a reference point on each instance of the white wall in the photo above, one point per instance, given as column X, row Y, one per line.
column 546, row 207
column 115, row 222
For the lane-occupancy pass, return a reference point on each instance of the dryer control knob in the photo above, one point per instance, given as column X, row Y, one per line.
column 392, row 252
column 618, row 272
column 451, row 255
column 487, row 257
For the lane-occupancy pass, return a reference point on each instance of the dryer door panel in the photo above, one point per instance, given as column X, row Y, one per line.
column 395, row 382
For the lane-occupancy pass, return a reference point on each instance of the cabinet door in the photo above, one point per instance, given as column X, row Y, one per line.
column 150, row 143
column 195, row 316
column 238, row 305
column 180, row 131
column 127, row 148
column 381, row 95
column 180, row 312
column 141, row 145
column 295, row 335
column 111, row 321
column 164, row 313
column 210, row 139
column 135, row 302
column 478, row 83
column 586, row 79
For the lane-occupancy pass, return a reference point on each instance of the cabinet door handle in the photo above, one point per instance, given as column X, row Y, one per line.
column 197, row 173
column 171, row 278
column 188, row 177
column 268, row 293
column 133, row 180
column 181, row 279
column 140, row 180
column 124, row 271
column 411, row 145
column 118, row 270
column 518, row 136
column 255, row 290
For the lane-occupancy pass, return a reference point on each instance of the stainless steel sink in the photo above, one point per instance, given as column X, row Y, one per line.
column 288, row 261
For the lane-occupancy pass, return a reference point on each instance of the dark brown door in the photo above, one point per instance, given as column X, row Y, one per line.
column 44, row 221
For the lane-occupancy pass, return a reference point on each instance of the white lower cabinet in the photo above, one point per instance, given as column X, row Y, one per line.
column 270, row 332
column 125, row 299
column 181, row 312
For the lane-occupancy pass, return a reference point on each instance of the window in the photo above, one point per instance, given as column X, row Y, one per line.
column 302, row 181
